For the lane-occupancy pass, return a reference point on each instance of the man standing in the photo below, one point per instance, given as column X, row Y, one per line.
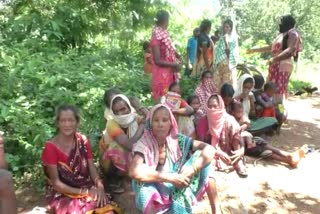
column 192, row 51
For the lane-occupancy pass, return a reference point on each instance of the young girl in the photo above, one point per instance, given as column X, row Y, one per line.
column 147, row 58
column 258, row 147
column 180, row 109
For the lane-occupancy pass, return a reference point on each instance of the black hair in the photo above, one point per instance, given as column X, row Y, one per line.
column 205, row 73
column 67, row 107
column 161, row 16
column 216, row 32
column 191, row 98
column 235, row 105
column 145, row 45
column 214, row 96
column 160, row 108
column 270, row 85
column 107, row 95
column 172, row 85
column 205, row 24
column 248, row 80
column 228, row 22
column 195, row 30
column 258, row 81
column 227, row 90
column 287, row 22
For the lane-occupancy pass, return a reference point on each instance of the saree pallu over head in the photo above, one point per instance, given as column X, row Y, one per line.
column 148, row 145
column 216, row 120
column 246, row 101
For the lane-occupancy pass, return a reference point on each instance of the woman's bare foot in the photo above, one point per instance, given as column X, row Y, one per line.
column 296, row 157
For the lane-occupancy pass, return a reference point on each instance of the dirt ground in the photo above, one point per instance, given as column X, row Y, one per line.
column 270, row 187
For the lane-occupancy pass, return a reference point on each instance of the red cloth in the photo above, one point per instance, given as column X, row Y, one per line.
column 52, row 154
column 162, row 77
column 269, row 112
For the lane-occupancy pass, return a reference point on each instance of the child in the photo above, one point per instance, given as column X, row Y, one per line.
column 267, row 102
column 147, row 58
column 194, row 102
column 227, row 93
column 258, row 147
column 180, row 109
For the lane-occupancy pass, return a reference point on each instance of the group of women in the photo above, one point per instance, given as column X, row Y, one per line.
column 171, row 150
column 220, row 57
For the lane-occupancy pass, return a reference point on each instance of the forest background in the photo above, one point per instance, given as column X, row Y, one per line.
column 69, row 51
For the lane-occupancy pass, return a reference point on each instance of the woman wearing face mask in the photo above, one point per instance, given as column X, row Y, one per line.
column 284, row 50
column 121, row 132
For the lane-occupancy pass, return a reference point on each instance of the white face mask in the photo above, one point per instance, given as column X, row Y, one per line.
column 124, row 120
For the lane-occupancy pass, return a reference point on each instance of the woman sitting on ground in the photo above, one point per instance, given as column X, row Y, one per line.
column 204, row 90
column 8, row 201
column 121, row 133
column 258, row 147
column 225, row 137
column 73, row 184
column 181, row 110
column 166, row 177
column 244, row 95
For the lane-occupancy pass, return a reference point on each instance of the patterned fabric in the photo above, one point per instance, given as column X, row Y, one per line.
column 163, row 37
column 164, row 197
column 199, row 66
column 279, row 72
column 220, row 53
column 162, row 77
column 223, row 74
column 185, row 123
column 76, row 174
column 148, row 145
column 204, row 91
column 111, row 152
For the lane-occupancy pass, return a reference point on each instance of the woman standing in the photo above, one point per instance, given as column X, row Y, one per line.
column 165, row 69
column 284, row 51
column 205, row 50
column 226, row 54
column 166, row 177
column 73, row 184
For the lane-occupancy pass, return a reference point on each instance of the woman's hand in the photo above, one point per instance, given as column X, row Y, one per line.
column 188, row 172
column 177, row 66
column 271, row 61
column 237, row 155
column 179, row 180
column 102, row 199
column 224, row 157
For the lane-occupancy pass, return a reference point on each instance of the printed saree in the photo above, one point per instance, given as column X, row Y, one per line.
column 75, row 174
